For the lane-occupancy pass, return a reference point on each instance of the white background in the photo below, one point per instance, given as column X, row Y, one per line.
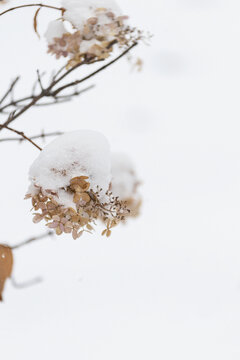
column 167, row 285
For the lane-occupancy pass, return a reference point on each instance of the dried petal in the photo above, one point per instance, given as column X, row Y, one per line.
column 75, row 234
column 37, row 218
column 58, row 231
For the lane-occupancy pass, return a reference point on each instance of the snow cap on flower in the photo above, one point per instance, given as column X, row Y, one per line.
column 55, row 29
column 70, row 183
column 79, row 11
column 95, row 28
column 124, row 180
column 78, row 153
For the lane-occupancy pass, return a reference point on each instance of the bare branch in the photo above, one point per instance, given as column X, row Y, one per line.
column 32, row 239
column 10, row 89
column 59, row 72
column 56, row 99
column 20, row 133
column 14, row 103
column 76, row 82
column 32, row 5
column 26, row 284
column 74, row 93
column 40, row 136
column 40, row 80
column 48, row 91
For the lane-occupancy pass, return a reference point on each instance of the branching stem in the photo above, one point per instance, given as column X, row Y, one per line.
column 40, row 136
column 32, row 5
column 20, row 133
column 49, row 92
column 32, row 239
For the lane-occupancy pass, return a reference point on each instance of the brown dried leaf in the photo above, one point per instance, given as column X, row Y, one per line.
column 6, row 265
column 35, row 22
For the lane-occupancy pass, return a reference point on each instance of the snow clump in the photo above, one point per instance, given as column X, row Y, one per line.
column 70, row 185
column 95, row 27
column 124, row 182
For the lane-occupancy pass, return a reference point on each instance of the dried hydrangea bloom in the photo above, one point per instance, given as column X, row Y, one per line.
column 96, row 27
column 77, row 12
column 124, row 183
column 70, row 185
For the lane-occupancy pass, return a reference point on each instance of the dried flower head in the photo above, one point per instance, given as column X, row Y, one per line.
column 70, row 185
column 83, row 216
column 95, row 31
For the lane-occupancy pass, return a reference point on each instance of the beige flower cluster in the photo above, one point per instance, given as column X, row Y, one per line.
column 88, row 209
column 76, row 182
column 95, row 39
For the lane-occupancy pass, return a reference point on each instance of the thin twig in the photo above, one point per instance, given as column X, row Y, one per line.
column 31, row 5
column 75, row 93
column 42, row 136
column 59, row 72
column 26, row 284
column 15, row 102
column 20, row 133
column 57, row 99
column 76, row 82
column 32, row 239
column 39, row 80
column 10, row 89
column 53, row 93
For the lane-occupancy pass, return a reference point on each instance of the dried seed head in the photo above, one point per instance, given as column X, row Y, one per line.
column 94, row 39
column 88, row 209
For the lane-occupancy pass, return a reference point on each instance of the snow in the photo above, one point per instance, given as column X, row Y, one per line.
column 55, row 29
column 123, row 176
column 78, row 11
column 166, row 285
column 87, row 44
column 78, row 153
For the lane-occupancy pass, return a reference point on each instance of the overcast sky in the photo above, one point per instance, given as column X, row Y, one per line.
column 167, row 285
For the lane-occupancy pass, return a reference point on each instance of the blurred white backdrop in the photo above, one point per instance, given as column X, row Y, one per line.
column 167, row 285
